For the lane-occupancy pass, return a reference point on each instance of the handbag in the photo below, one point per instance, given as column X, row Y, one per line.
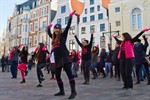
column 52, row 58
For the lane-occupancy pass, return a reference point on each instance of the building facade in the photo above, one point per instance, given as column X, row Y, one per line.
column 130, row 16
column 93, row 18
column 29, row 23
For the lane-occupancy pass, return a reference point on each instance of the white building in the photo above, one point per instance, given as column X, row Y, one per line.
column 94, row 18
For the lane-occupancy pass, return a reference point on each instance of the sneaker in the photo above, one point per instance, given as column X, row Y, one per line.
column 84, row 83
column 39, row 85
column 61, row 93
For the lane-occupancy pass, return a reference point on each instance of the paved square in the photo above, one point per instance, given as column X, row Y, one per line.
column 99, row 89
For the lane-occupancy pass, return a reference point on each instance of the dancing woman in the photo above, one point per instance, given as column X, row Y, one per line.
column 61, row 56
column 126, row 56
column 40, row 57
column 23, row 66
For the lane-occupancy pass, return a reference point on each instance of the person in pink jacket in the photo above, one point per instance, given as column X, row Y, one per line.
column 126, row 56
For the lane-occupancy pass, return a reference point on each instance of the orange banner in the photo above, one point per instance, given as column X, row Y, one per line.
column 78, row 6
column 105, row 3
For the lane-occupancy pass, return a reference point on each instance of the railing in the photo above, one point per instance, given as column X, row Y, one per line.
column 26, row 20
column 41, row 29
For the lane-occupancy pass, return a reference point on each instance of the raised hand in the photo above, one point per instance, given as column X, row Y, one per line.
column 71, row 14
column 92, row 32
column 114, row 36
column 146, row 29
column 50, row 25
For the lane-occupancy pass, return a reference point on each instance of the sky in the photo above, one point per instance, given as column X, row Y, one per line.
column 6, row 10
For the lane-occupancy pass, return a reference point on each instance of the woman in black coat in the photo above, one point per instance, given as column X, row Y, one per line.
column 61, row 56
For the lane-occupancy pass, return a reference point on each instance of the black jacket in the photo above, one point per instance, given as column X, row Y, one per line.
column 86, row 50
column 24, row 56
column 61, row 53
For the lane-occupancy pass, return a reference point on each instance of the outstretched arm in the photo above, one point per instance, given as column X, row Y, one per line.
column 65, row 33
column 91, row 40
column 137, row 36
column 80, row 44
column 49, row 30
column 146, row 42
column 117, row 40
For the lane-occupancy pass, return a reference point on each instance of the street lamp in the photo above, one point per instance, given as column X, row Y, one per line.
column 110, row 34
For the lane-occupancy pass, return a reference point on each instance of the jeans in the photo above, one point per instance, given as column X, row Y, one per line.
column 39, row 71
column 13, row 69
column 107, row 67
column 126, row 68
column 86, row 69
column 74, row 68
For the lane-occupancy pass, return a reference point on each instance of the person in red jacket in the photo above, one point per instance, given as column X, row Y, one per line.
column 23, row 66
column 126, row 56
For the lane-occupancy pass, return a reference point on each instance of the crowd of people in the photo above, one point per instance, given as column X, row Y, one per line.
column 126, row 60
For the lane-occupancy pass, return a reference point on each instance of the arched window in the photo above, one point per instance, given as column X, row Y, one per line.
column 136, row 19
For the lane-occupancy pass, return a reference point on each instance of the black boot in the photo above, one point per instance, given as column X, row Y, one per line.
column 23, row 81
column 61, row 88
column 148, row 78
column 73, row 92
column 26, row 72
column 138, row 80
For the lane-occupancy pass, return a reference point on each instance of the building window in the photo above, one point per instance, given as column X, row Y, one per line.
column 98, row 8
column 23, row 28
column 117, row 23
column 83, row 30
column 102, row 27
column 86, row 11
column 92, row 28
column 37, row 3
column 19, row 31
column 26, row 41
column 93, row 43
column 66, row 20
column 63, row 9
column 26, row 28
column 92, row 18
column 44, row 24
column 33, row 4
column 35, row 40
column 59, row 21
column 44, row 1
column 44, row 11
column 117, row 9
column 84, row 19
column 91, row 2
column 31, row 26
column 35, row 26
column 91, row 9
column 136, row 19
column 71, row 45
column 30, row 41
column 72, row 30
column 100, row 16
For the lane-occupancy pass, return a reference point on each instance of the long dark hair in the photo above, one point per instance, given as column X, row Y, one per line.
column 56, row 38
column 39, row 51
column 127, row 36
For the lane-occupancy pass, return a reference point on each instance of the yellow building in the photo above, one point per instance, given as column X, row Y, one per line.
column 129, row 16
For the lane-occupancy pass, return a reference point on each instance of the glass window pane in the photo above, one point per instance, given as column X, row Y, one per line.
column 139, row 21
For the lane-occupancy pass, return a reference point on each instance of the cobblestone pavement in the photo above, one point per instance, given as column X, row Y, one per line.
column 99, row 89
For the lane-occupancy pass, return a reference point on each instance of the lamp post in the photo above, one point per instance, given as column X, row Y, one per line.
column 110, row 34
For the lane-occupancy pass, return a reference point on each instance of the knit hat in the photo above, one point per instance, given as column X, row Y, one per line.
column 57, row 26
